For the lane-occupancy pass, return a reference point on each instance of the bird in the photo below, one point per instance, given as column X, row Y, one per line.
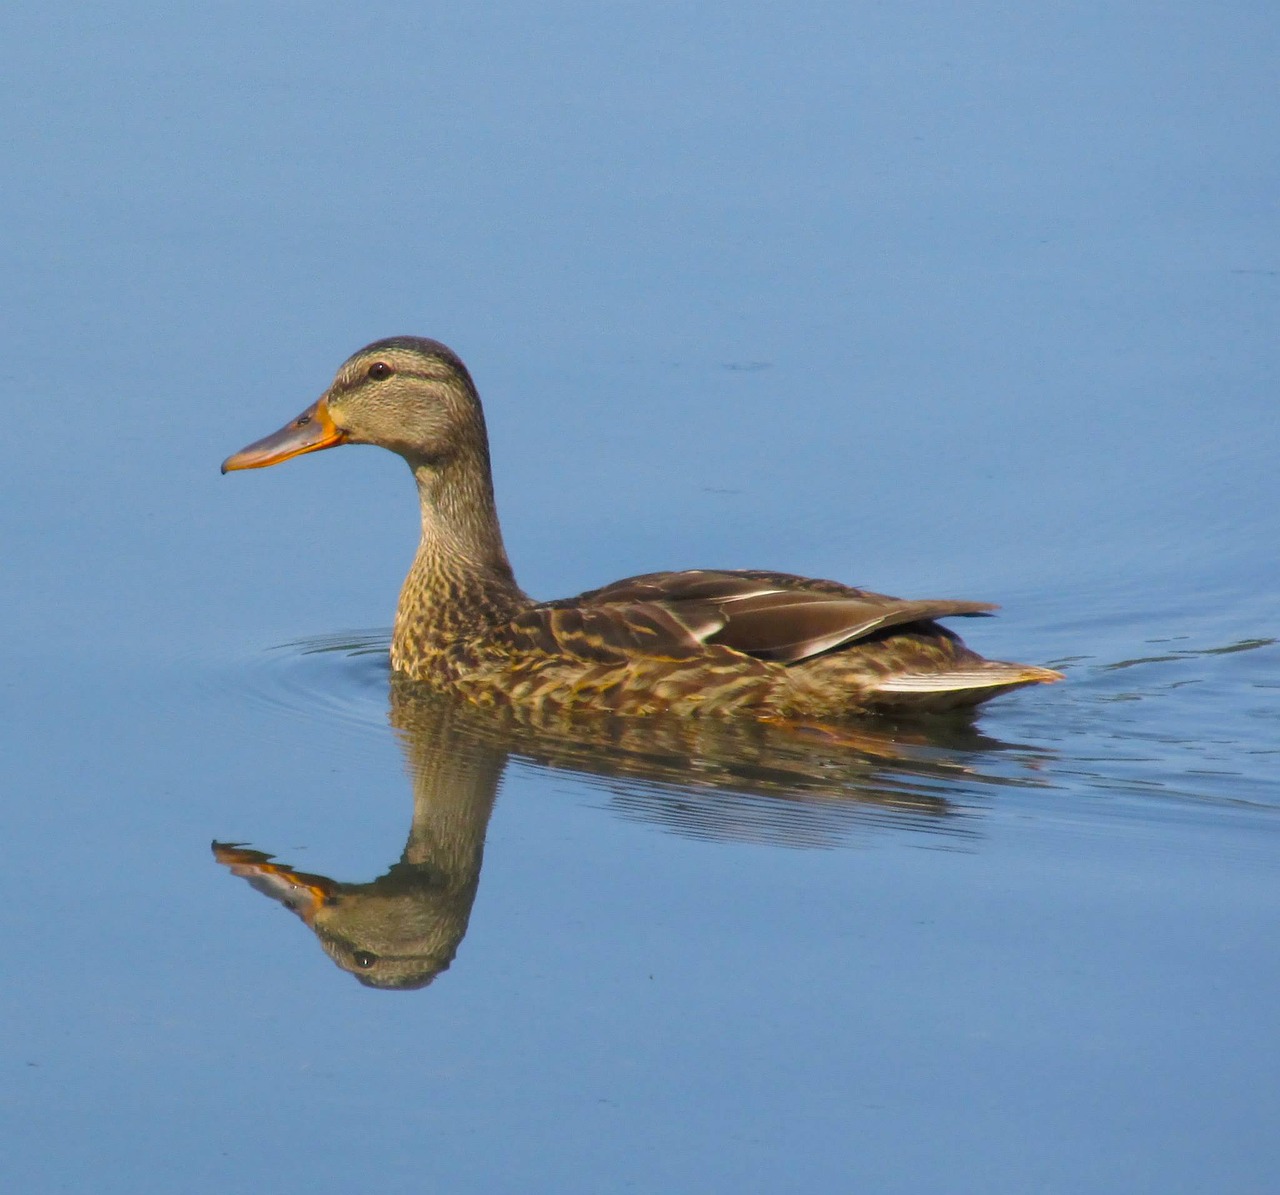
column 696, row 642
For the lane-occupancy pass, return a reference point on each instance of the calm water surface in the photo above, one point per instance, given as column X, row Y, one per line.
column 978, row 305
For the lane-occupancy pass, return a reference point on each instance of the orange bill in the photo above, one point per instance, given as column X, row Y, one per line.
column 300, row 891
column 313, row 430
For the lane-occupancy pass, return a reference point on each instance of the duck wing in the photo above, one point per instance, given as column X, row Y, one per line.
column 769, row 616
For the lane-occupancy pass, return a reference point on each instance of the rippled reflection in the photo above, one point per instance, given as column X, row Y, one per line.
column 703, row 778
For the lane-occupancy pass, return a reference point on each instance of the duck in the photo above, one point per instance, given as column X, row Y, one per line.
column 696, row 642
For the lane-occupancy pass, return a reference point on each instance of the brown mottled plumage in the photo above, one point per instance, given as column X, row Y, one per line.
column 759, row 644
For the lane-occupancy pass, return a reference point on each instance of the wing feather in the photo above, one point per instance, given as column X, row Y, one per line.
column 790, row 627
column 613, row 634
column 770, row 616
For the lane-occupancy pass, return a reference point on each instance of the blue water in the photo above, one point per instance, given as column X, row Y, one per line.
column 976, row 304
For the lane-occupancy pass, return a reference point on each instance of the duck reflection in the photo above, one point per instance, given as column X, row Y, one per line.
column 707, row 779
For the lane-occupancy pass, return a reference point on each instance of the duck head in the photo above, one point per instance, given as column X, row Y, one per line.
column 407, row 394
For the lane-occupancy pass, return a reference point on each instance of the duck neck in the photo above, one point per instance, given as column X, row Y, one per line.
column 461, row 582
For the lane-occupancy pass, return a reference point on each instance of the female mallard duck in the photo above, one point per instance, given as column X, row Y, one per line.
column 759, row 644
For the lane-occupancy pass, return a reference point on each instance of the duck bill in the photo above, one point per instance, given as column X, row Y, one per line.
column 313, row 430
column 299, row 891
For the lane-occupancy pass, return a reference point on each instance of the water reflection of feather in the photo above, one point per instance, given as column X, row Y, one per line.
column 703, row 778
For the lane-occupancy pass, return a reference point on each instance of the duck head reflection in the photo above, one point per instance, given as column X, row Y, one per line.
column 706, row 779
column 403, row 929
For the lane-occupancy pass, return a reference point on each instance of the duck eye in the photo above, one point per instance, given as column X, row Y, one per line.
column 379, row 371
column 363, row 959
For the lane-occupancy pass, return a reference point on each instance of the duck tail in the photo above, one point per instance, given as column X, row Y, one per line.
column 959, row 687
